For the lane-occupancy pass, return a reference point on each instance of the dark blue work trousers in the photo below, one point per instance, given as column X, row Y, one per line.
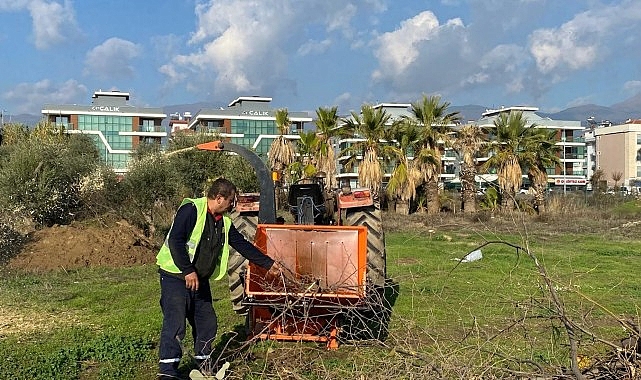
column 179, row 304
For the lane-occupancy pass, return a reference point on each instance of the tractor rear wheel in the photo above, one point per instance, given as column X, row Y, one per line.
column 376, row 257
column 237, row 264
column 370, row 322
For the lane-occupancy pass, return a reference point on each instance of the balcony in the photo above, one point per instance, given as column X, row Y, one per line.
column 573, row 139
column 65, row 126
column 151, row 128
column 573, row 156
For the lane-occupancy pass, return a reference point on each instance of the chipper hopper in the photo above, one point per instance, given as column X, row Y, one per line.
column 331, row 270
column 328, row 265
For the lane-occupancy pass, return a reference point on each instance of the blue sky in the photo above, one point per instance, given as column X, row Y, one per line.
column 306, row 54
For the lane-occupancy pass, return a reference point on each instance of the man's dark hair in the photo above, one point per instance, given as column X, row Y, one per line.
column 223, row 187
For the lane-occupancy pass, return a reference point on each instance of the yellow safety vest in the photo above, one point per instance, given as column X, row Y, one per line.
column 166, row 262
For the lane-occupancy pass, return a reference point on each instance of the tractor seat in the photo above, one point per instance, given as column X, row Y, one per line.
column 312, row 190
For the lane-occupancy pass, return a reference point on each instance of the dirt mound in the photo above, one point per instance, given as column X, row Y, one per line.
column 84, row 245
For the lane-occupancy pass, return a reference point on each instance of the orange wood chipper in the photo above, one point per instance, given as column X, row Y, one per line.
column 332, row 269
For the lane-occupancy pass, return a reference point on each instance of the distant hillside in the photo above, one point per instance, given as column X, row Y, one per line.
column 631, row 106
column 617, row 113
column 582, row 113
column 192, row 107
column 468, row 112
column 24, row 118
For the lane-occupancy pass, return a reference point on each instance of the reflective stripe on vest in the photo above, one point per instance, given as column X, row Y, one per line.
column 166, row 262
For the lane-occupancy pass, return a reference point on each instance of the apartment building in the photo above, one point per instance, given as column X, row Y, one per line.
column 115, row 126
column 618, row 153
column 248, row 121
column 345, row 175
column 396, row 111
column 572, row 173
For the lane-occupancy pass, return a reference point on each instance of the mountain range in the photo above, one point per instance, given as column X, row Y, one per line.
column 616, row 114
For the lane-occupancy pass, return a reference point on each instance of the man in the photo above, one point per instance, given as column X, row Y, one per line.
column 197, row 248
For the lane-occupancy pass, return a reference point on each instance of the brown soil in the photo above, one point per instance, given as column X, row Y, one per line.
column 79, row 245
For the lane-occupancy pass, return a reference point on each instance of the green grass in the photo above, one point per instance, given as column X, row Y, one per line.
column 477, row 319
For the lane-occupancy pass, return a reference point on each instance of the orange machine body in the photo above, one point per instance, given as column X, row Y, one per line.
column 328, row 264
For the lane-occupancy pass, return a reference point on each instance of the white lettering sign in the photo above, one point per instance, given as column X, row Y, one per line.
column 105, row 108
column 570, row 181
column 256, row 113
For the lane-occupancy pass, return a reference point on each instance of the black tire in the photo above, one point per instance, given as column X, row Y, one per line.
column 237, row 264
column 376, row 256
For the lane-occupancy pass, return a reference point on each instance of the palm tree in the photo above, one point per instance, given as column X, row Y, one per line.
column 371, row 126
column 616, row 177
column 281, row 152
column 511, row 134
column 435, row 122
column 597, row 181
column 306, row 165
column 326, row 130
column 540, row 153
column 467, row 143
column 405, row 177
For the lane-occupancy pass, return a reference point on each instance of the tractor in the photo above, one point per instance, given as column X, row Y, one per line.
column 335, row 250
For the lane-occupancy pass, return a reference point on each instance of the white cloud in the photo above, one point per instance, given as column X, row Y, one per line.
column 173, row 76
column 398, row 49
column 499, row 56
column 341, row 18
column 314, row 47
column 582, row 41
column 112, row 59
column 632, row 87
column 504, row 64
column 53, row 22
column 426, row 56
column 247, row 49
column 241, row 48
column 30, row 97
column 346, row 102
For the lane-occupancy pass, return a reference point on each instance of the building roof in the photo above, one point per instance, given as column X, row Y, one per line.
column 100, row 93
column 529, row 113
column 242, row 99
column 104, row 103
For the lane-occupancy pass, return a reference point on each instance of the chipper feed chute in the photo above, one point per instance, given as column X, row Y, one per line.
column 328, row 274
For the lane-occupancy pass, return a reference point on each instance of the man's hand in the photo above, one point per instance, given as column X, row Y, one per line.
column 191, row 281
column 277, row 270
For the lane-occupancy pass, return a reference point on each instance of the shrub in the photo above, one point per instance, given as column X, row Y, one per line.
column 150, row 186
column 41, row 175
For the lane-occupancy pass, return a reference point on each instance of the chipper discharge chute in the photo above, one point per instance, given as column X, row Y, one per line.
column 328, row 265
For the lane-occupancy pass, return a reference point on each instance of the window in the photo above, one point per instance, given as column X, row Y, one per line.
column 147, row 125
column 109, row 127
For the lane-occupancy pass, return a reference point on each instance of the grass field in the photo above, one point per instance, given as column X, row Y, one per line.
column 489, row 318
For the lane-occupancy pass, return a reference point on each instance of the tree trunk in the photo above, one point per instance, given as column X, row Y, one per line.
column 539, row 198
column 468, row 189
column 507, row 200
column 402, row 207
column 433, row 201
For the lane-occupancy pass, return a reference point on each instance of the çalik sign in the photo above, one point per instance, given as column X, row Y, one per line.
column 105, row 108
column 256, row 113
column 570, row 181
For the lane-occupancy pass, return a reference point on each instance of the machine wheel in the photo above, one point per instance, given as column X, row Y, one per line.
column 237, row 264
column 376, row 257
